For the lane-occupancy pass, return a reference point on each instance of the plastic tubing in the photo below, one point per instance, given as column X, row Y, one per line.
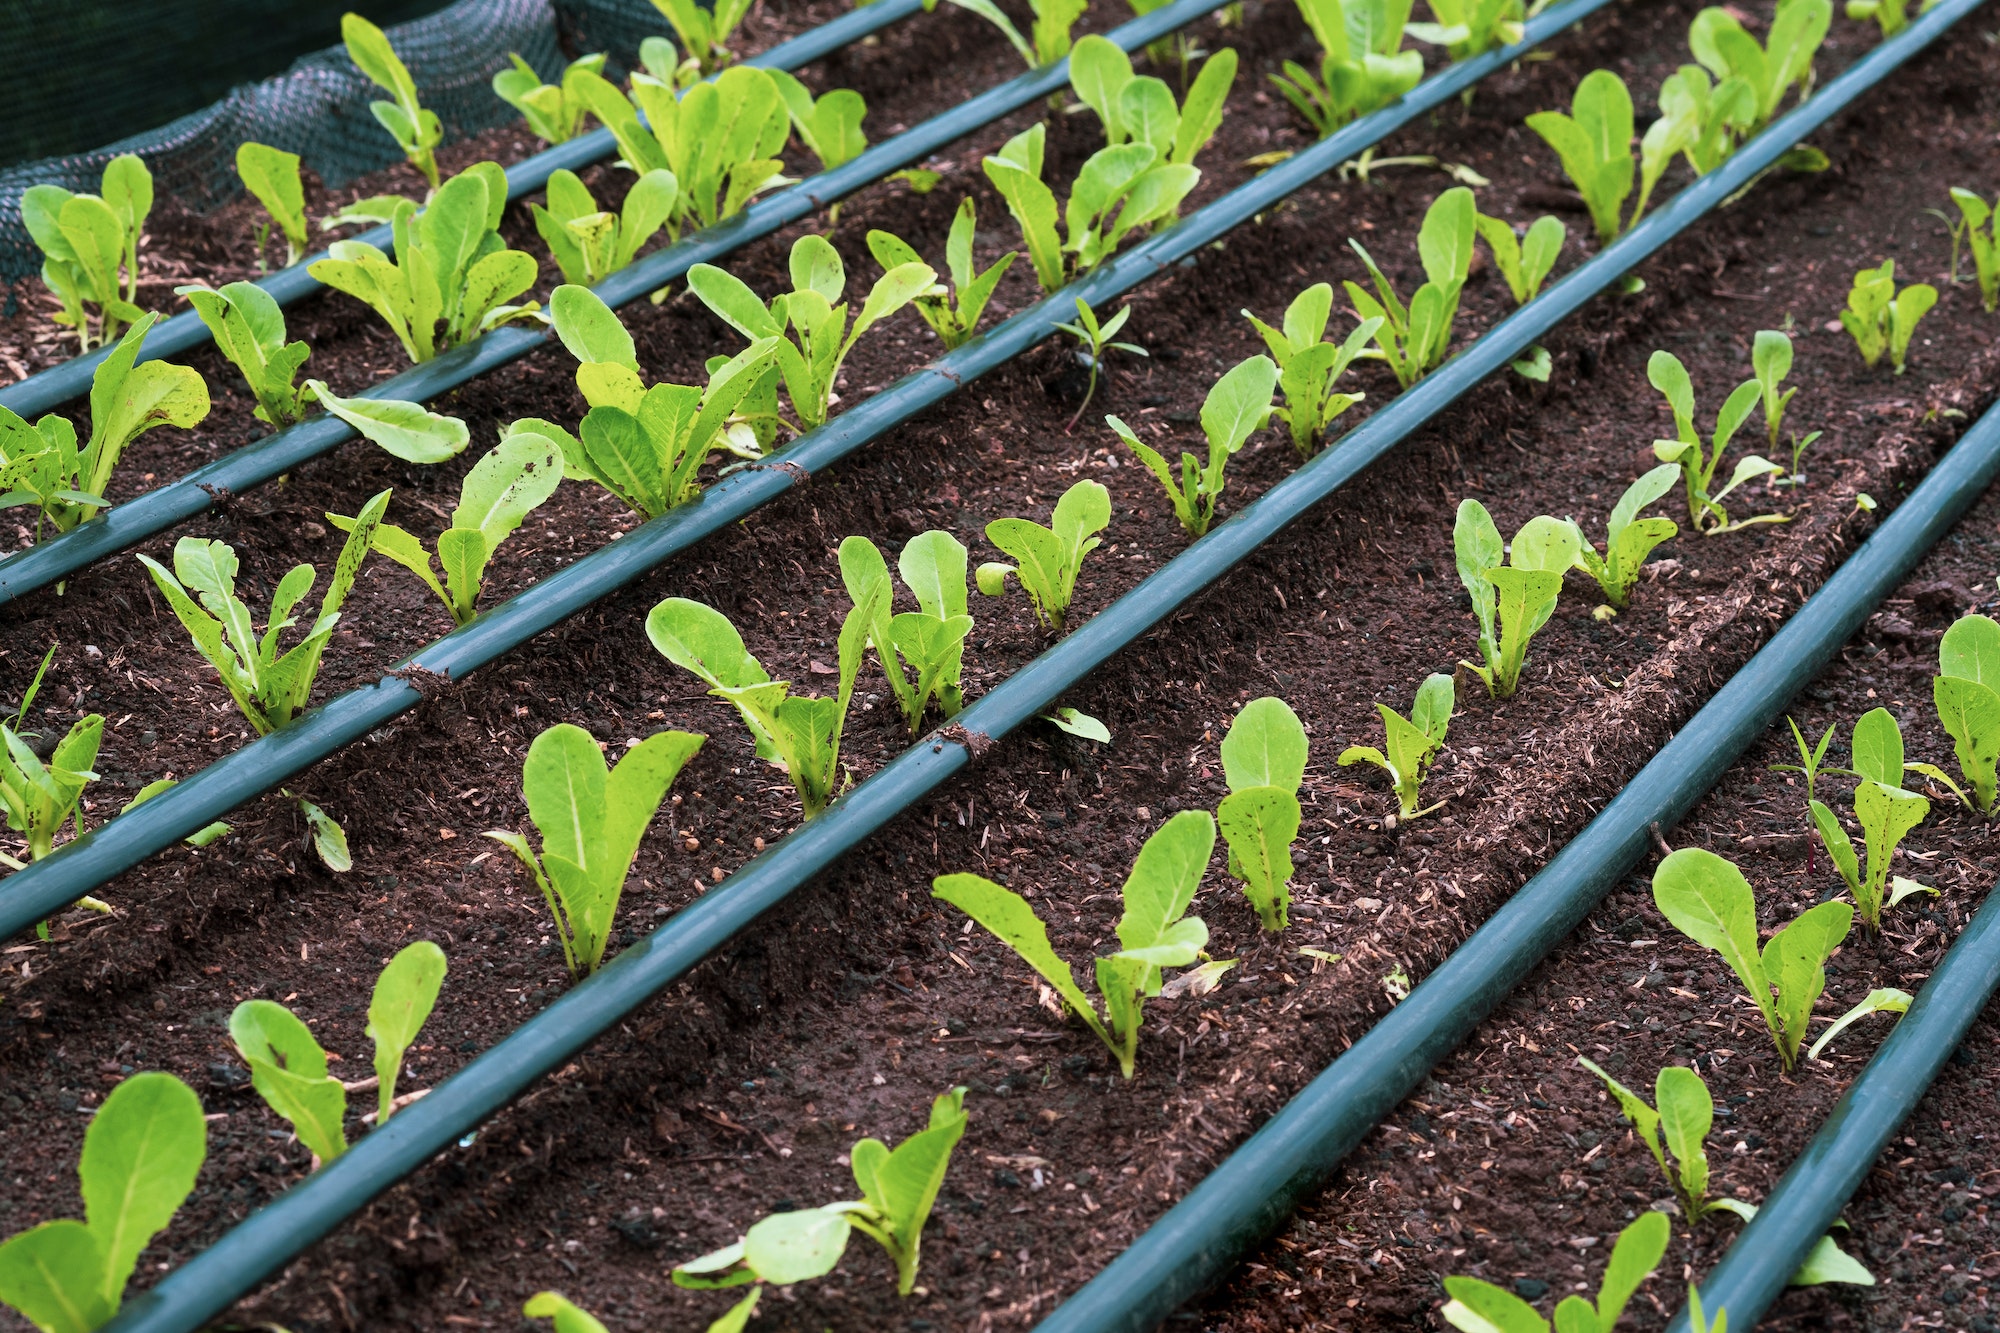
column 277, row 1233
column 275, row 455
column 81, row 866
column 51, row 388
column 1804, row 1204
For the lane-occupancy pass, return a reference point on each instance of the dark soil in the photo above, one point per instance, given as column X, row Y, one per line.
column 853, row 1005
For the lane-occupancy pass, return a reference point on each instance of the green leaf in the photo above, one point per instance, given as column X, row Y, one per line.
column 589, row 329
column 1164, row 877
column 1636, row 1254
column 569, row 1318
column 1884, row 1000
column 1011, row 920
column 1878, row 747
column 1645, row 1120
column 1839, row 847
column 1970, row 650
column 1260, row 824
column 903, row 1185
column 1795, row 960
column 1707, row 899
column 1686, row 1114
column 1078, row 723
column 288, row 1068
column 1444, row 242
column 1477, row 1306
column 272, row 177
column 1829, row 1263
column 141, row 1155
column 794, row 1247
column 1266, row 746
column 329, row 839
column 53, row 1274
column 404, row 429
column 405, row 994
column 733, row 302
column 1239, row 403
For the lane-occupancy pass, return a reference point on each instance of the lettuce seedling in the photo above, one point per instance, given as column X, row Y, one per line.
column 1880, row 318
column 1679, row 1126
column 1892, row 16
column 1264, row 760
column 1885, row 812
column 1362, row 64
column 1524, row 262
column 272, row 177
column 416, row 130
column 1708, row 900
column 1051, row 27
column 288, row 1065
column 1477, row 1306
column 450, row 267
column 90, row 247
column 1410, row 744
column 1046, row 560
column 799, row 734
column 1413, row 339
column 828, row 125
column 1467, row 28
column 141, row 1154
column 555, row 112
column 40, row 797
column 929, row 640
column 589, row 244
column 501, row 490
column 40, row 465
column 1594, row 142
column 704, row 32
column 1141, row 108
column 591, row 819
column 1698, row 464
column 1968, row 705
column 1308, row 367
column 953, row 324
column 1825, row 1262
column 1092, row 340
column 898, row 1188
column 1982, row 229
column 1700, row 120
column 1771, row 360
column 1237, row 407
column 1522, row 592
column 1722, row 46
column 1155, row 931
column 1118, row 192
column 270, row 688
column 812, row 333
column 1628, row 539
column 721, row 140
column 248, row 325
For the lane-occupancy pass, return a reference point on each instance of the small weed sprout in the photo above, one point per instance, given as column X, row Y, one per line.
column 1092, row 338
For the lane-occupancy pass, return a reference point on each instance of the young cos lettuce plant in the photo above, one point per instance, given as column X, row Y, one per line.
column 799, row 734
column 288, row 1065
column 416, row 130
column 898, row 1188
column 1050, row 30
column 1409, row 744
column 450, row 267
column 1309, row 367
column 1236, row 408
column 1362, row 64
column 1719, row 42
column 40, row 797
column 704, row 33
column 1524, row 262
column 1137, row 107
column 1118, row 192
column 141, row 1154
column 248, row 325
column 1880, row 318
column 929, row 640
column 1708, row 900
column 40, row 465
column 1264, row 760
column 1467, row 28
column 555, row 112
column 90, row 247
column 1046, row 560
column 1967, row 693
column 1594, row 142
column 590, row 244
column 591, row 818
column 1682, row 1113
column 1477, row 1306
column 501, row 490
column 828, row 125
column 1701, row 120
column 1982, row 230
column 1885, row 812
column 269, row 686
column 1771, row 360
column 1155, row 931
column 1628, row 539
column 1521, row 592
column 812, row 333
column 1413, row 339
column 272, row 177
column 1698, row 464
column 721, row 140
column 954, row 323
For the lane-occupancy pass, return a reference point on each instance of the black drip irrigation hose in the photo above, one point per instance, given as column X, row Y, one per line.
column 258, row 1247
column 49, row 389
column 85, row 864
column 146, row 516
column 1805, row 1203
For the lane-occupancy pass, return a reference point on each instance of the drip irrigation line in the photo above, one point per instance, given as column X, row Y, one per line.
column 1805, row 1203
column 253, row 1250
column 85, row 864
column 146, row 516
column 49, row 389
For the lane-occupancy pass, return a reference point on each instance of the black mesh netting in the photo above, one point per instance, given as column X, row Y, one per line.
column 319, row 107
